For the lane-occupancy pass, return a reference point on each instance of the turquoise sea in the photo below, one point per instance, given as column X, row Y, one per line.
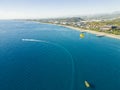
column 36, row 56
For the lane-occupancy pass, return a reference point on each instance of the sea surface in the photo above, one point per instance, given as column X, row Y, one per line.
column 36, row 56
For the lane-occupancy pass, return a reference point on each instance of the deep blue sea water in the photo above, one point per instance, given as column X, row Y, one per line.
column 37, row 56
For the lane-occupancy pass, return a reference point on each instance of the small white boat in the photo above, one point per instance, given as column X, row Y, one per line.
column 100, row 35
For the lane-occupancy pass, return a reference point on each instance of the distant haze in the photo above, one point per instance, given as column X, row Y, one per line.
column 24, row 9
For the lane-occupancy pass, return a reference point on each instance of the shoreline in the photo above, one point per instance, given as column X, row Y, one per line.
column 92, row 32
column 88, row 31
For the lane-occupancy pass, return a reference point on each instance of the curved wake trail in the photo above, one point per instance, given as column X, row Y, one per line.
column 58, row 45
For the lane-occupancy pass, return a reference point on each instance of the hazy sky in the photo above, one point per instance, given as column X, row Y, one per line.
column 10, row 9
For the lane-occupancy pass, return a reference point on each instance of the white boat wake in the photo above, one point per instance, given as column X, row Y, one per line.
column 60, row 46
column 34, row 40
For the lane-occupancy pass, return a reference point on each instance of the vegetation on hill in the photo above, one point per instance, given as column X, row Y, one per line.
column 108, row 23
column 112, row 25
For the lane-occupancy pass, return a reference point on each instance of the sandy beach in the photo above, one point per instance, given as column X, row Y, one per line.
column 93, row 32
column 88, row 31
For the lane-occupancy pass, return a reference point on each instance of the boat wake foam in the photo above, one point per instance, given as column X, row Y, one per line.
column 34, row 40
column 60, row 46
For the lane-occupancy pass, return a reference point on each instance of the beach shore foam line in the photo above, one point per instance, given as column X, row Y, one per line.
column 93, row 32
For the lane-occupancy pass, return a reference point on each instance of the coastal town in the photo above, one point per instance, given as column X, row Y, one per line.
column 107, row 26
column 101, row 25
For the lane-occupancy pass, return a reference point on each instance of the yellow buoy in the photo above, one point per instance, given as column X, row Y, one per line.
column 82, row 35
column 87, row 84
